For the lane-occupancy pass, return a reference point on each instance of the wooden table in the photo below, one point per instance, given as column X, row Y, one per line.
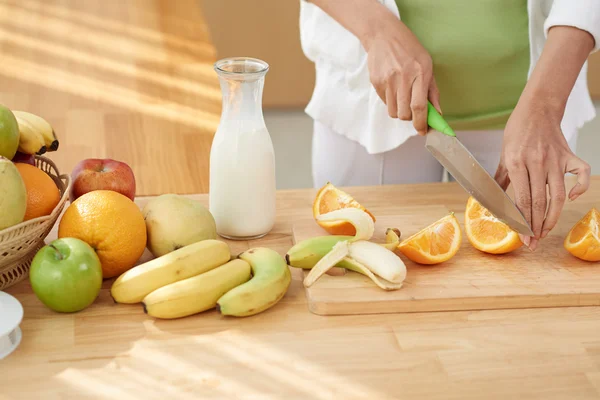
column 131, row 80
column 111, row 351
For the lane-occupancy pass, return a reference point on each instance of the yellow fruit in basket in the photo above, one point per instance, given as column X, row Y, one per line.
column 112, row 224
column 13, row 195
column 42, row 193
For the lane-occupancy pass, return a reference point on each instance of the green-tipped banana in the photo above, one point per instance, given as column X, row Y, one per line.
column 198, row 293
column 41, row 126
column 270, row 282
column 194, row 259
column 307, row 253
column 30, row 140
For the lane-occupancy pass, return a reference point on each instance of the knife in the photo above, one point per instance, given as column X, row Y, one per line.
column 443, row 144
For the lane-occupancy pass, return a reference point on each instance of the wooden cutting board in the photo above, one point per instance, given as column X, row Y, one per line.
column 472, row 280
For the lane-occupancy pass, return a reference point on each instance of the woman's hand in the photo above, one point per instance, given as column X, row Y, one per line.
column 399, row 66
column 535, row 153
column 401, row 72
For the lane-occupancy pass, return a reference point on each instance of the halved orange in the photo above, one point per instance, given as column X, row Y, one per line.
column 434, row 244
column 486, row 232
column 329, row 198
column 583, row 240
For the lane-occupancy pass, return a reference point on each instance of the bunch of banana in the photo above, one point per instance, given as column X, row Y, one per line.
column 202, row 276
column 355, row 253
column 36, row 134
column 270, row 281
column 134, row 285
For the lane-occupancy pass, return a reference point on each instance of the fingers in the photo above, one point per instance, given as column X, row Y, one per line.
column 390, row 101
column 418, row 104
column 404, row 98
column 501, row 175
column 520, row 179
column 556, row 184
column 583, row 171
column 434, row 95
column 537, row 179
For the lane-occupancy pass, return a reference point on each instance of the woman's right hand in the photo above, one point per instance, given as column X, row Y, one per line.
column 401, row 71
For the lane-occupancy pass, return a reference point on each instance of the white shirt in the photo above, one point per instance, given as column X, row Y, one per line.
column 344, row 98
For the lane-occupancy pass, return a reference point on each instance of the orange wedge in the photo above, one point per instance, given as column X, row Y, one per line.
column 435, row 244
column 486, row 232
column 329, row 198
column 583, row 240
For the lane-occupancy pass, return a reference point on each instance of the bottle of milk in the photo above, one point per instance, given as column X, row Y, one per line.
column 242, row 160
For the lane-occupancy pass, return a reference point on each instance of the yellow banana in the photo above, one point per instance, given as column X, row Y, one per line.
column 42, row 126
column 196, row 258
column 198, row 293
column 271, row 280
column 30, row 140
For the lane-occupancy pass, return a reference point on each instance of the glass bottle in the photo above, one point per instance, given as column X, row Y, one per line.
column 242, row 160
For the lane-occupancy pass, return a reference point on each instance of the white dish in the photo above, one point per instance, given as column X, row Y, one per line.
column 11, row 315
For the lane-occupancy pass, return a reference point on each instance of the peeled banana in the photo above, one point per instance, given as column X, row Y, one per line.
column 35, row 123
column 270, row 282
column 134, row 285
column 198, row 293
column 356, row 253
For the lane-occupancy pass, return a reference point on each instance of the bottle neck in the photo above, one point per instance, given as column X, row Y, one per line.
column 242, row 101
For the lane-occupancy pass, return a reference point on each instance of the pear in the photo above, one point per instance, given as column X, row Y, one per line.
column 13, row 196
column 174, row 221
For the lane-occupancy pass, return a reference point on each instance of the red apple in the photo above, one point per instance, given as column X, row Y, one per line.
column 102, row 174
column 24, row 158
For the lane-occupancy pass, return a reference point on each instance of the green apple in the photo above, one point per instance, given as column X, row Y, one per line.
column 66, row 275
column 9, row 133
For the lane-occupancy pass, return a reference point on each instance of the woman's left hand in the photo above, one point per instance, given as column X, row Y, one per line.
column 535, row 154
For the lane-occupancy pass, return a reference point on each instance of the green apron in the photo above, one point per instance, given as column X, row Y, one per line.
column 480, row 52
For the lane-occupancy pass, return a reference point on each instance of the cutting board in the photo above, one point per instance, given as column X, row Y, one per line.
column 472, row 280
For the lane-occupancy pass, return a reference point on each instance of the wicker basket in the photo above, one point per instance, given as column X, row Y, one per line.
column 19, row 243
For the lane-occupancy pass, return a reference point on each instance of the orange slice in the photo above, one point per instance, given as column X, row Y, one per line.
column 487, row 233
column 583, row 240
column 329, row 198
column 434, row 244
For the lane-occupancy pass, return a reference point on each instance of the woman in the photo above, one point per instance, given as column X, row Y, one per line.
column 508, row 75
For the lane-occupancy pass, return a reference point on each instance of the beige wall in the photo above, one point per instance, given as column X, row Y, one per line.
column 265, row 29
column 268, row 29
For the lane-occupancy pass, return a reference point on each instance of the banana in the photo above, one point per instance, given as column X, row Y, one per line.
column 270, row 282
column 381, row 265
column 307, row 253
column 196, row 258
column 30, row 140
column 198, row 293
column 40, row 125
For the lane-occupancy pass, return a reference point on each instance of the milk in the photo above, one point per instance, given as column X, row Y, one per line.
column 242, row 160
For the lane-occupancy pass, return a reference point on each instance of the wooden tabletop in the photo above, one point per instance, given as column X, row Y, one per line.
column 131, row 80
column 112, row 351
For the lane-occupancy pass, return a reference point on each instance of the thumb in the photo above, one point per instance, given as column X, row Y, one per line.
column 583, row 171
column 501, row 175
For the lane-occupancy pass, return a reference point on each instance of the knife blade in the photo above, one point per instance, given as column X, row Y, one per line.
column 443, row 144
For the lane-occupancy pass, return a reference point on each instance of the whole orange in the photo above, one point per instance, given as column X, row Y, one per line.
column 112, row 224
column 42, row 194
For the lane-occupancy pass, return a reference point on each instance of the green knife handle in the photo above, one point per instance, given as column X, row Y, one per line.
column 437, row 122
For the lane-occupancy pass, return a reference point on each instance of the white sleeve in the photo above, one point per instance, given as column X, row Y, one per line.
column 582, row 14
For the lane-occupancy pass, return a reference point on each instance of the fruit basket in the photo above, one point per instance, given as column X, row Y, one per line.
column 19, row 243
